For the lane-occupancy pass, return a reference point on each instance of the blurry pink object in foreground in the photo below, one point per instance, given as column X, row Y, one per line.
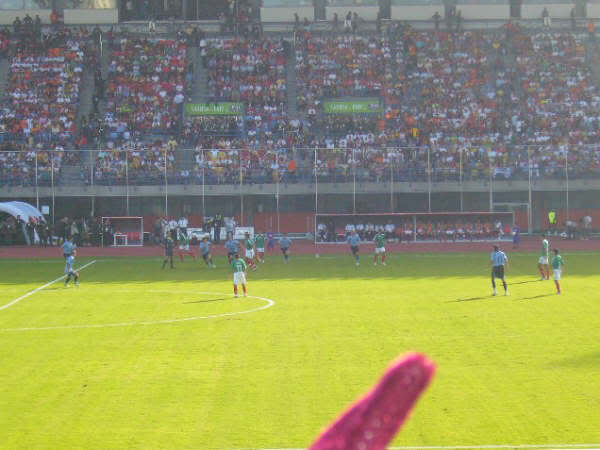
column 373, row 420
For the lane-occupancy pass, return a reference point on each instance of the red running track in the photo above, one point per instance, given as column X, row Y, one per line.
column 528, row 244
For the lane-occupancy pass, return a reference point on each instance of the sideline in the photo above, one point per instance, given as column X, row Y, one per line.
column 23, row 297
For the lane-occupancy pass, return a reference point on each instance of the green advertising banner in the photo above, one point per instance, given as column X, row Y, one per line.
column 214, row 109
column 370, row 105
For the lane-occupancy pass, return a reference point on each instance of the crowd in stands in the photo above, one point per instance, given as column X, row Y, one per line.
column 19, row 164
column 145, row 88
column 43, row 88
column 198, row 128
column 462, row 104
column 252, row 71
column 135, row 162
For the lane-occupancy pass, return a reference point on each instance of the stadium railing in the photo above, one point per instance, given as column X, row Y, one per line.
column 368, row 179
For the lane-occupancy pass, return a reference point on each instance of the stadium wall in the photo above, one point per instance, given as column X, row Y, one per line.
column 425, row 12
column 261, row 210
column 7, row 17
column 286, row 14
column 104, row 16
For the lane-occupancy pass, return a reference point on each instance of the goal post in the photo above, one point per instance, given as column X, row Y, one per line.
column 122, row 231
column 417, row 226
column 521, row 211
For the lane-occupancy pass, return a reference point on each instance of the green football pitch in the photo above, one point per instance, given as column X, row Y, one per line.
column 139, row 357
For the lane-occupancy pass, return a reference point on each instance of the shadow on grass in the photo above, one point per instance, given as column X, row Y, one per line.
column 537, row 296
column 578, row 361
column 209, row 300
column 524, row 282
column 471, row 299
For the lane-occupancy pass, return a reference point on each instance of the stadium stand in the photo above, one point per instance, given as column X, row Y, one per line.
column 146, row 87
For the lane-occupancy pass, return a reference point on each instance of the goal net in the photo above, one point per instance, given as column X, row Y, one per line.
column 521, row 212
column 122, row 231
column 413, row 227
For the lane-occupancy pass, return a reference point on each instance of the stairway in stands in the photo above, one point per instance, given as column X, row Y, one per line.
column 4, row 69
column 197, row 93
column 292, row 89
column 592, row 53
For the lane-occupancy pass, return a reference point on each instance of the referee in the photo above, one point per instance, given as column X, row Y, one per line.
column 498, row 260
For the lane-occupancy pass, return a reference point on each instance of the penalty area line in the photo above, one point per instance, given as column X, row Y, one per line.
column 30, row 293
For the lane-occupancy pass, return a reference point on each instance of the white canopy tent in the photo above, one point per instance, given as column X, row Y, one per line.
column 25, row 211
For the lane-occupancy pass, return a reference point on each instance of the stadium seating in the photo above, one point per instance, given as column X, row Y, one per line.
column 454, row 102
column 146, row 87
column 43, row 89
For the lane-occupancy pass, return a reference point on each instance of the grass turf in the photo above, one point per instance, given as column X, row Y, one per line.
column 521, row 369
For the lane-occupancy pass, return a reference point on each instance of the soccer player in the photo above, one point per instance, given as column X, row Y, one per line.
column 498, row 261
column 233, row 247
column 543, row 266
column 250, row 251
column 379, row 248
column 516, row 231
column 206, row 254
column 557, row 265
column 354, row 241
column 184, row 245
column 70, row 270
column 239, row 267
column 284, row 244
column 259, row 239
column 68, row 247
column 168, row 252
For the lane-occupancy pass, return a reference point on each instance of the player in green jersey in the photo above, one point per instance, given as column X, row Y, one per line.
column 259, row 241
column 557, row 265
column 184, row 246
column 543, row 265
column 379, row 247
column 249, row 243
column 239, row 267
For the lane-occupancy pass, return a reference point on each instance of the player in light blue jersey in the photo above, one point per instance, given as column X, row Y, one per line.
column 70, row 269
column 498, row 260
column 233, row 248
column 68, row 247
column 284, row 244
column 354, row 241
column 206, row 254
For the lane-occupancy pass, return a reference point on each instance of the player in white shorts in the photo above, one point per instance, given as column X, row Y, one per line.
column 250, row 252
column 239, row 267
column 543, row 265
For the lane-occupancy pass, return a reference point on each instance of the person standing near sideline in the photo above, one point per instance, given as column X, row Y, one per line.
column 169, row 244
column 498, row 261
column 173, row 229
column 183, row 224
column 354, row 241
column 543, row 266
column 516, row 230
column 285, row 244
column 557, row 265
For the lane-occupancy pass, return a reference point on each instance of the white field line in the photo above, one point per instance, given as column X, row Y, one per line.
column 23, row 297
column 268, row 304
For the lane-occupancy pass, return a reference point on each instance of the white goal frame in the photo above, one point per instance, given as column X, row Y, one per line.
column 511, row 206
column 121, row 238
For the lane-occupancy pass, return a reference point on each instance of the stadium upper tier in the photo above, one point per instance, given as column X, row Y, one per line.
column 370, row 107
